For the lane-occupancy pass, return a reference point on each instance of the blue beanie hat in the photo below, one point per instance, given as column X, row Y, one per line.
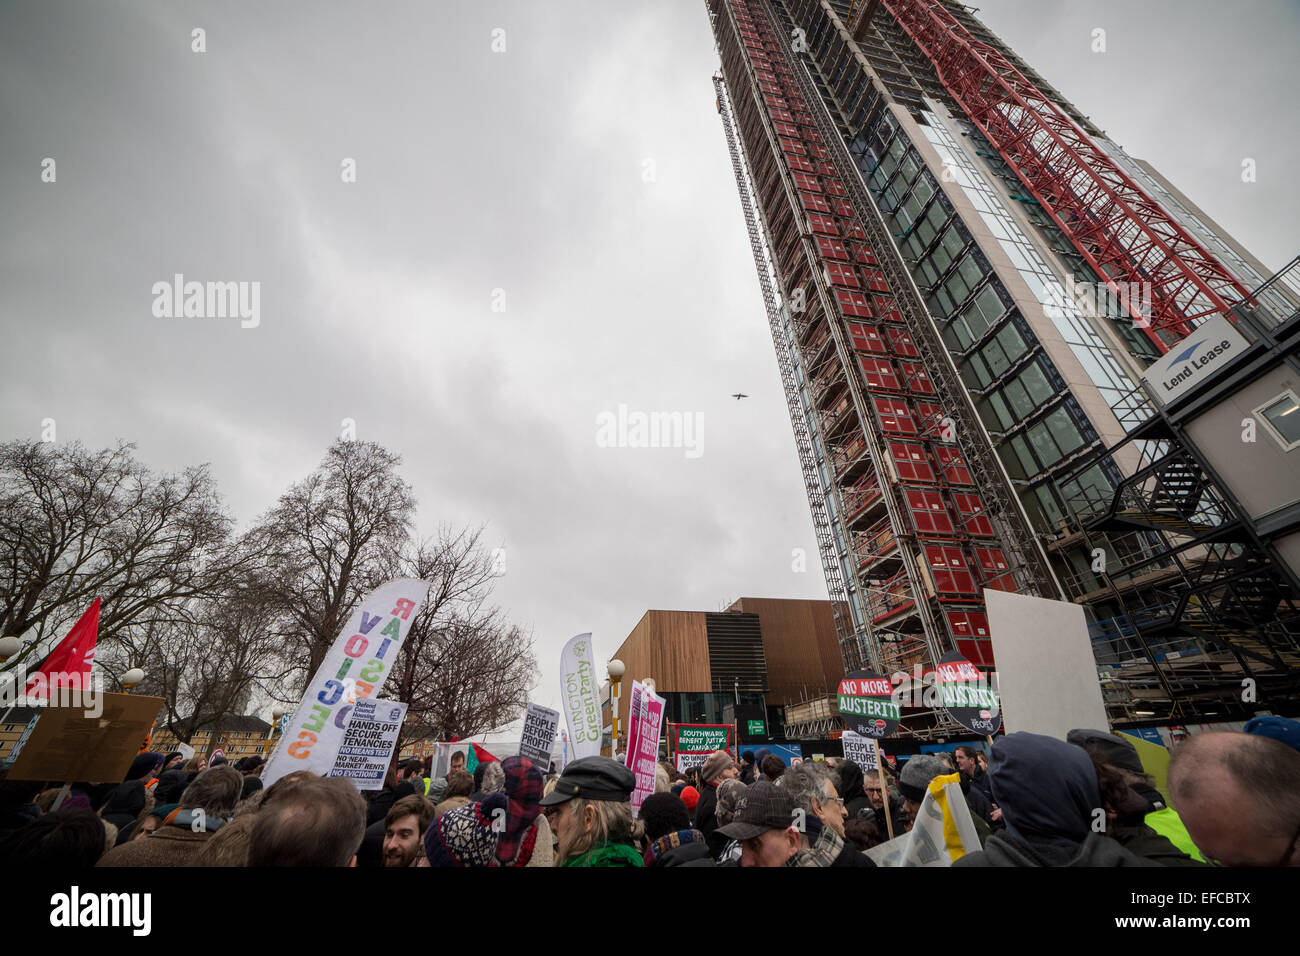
column 1279, row 728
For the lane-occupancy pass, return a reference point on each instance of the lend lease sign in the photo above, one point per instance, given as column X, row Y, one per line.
column 1213, row 345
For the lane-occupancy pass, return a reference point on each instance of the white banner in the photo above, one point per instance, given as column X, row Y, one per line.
column 861, row 750
column 687, row 761
column 368, row 742
column 355, row 668
column 581, row 697
column 924, row 844
column 537, row 743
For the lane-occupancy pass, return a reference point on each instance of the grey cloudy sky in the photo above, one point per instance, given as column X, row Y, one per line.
column 523, row 171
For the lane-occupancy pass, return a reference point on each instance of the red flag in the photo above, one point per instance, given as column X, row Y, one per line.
column 73, row 655
column 482, row 755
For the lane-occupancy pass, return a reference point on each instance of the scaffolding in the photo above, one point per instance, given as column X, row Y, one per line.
column 921, row 515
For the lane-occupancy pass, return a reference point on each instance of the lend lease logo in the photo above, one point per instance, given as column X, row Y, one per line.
column 1216, row 346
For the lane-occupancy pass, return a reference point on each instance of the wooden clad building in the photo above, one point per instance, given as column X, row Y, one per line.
column 764, row 652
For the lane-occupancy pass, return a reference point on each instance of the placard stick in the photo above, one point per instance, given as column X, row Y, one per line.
column 884, row 792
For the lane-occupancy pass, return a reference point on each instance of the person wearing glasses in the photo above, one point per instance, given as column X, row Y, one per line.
column 820, row 817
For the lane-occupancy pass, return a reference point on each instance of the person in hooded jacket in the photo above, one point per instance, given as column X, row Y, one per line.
column 1047, row 790
column 1137, row 814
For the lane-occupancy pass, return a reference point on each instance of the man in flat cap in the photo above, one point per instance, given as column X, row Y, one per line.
column 765, row 827
column 590, row 812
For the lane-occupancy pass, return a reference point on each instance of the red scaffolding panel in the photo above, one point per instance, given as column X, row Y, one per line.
column 1122, row 233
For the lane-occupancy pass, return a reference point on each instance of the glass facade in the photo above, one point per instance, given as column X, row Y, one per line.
column 1036, row 424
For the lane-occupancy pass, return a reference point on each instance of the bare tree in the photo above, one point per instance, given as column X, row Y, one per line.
column 326, row 543
column 212, row 664
column 462, row 670
column 487, row 671
column 76, row 525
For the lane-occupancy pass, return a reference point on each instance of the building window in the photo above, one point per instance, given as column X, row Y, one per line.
column 1281, row 417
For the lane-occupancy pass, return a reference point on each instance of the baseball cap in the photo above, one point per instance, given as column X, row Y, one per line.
column 764, row 807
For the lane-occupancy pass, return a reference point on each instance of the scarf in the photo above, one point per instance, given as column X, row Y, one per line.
column 671, row 841
column 823, row 852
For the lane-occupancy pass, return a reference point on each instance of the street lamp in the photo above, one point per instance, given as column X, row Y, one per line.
column 616, row 671
column 9, row 646
column 276, row 713
column 131, row 678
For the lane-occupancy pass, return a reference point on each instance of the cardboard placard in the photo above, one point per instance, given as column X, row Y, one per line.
column 68, row 745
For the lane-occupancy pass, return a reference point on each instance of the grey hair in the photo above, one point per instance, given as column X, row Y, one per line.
column 494, row 777
column 661, row 780
column 806, row 781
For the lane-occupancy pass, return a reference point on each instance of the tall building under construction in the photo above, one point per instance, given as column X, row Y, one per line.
column 966, row 282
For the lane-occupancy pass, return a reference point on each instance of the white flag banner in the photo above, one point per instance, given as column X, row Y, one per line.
column 581, row 697
column 943, row 832
column 355, row 667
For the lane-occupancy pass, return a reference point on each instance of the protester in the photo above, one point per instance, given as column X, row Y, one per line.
column 764, row 827
column 1138, row 815
column 852, row 789
column 492, row 781
column 812, row 788
column 526, row 838
column 250, row 765
column 382, row 801
column 1239, row 797
column 171, row 784
column 914, row 781
column 404, row 828
column 457, row 762
column 466, row 836
column 318, row 822
column 593, row 816
column 731, row 794
column 151, row 821
column 460, row 785
column 672, row 839
column 62, row 840
column 878, row 796
column 861, row 833
column 130, row 799
column 206, row 804
column 1048, row 793
column 229, row 845
column 967, row 758
column 772, row 768
column 1279, row 728
column 691, row 797
column 747, row 767
column 718, row 767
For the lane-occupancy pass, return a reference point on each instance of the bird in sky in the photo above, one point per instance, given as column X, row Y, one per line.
column 739, row 395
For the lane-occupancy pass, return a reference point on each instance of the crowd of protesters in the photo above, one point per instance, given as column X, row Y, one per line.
column 1034, row 801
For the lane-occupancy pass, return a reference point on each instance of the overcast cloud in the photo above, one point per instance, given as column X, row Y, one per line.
column 583, row 171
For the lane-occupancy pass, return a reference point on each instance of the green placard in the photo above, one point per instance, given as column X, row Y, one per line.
column 757, row 728
column 701, row 738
